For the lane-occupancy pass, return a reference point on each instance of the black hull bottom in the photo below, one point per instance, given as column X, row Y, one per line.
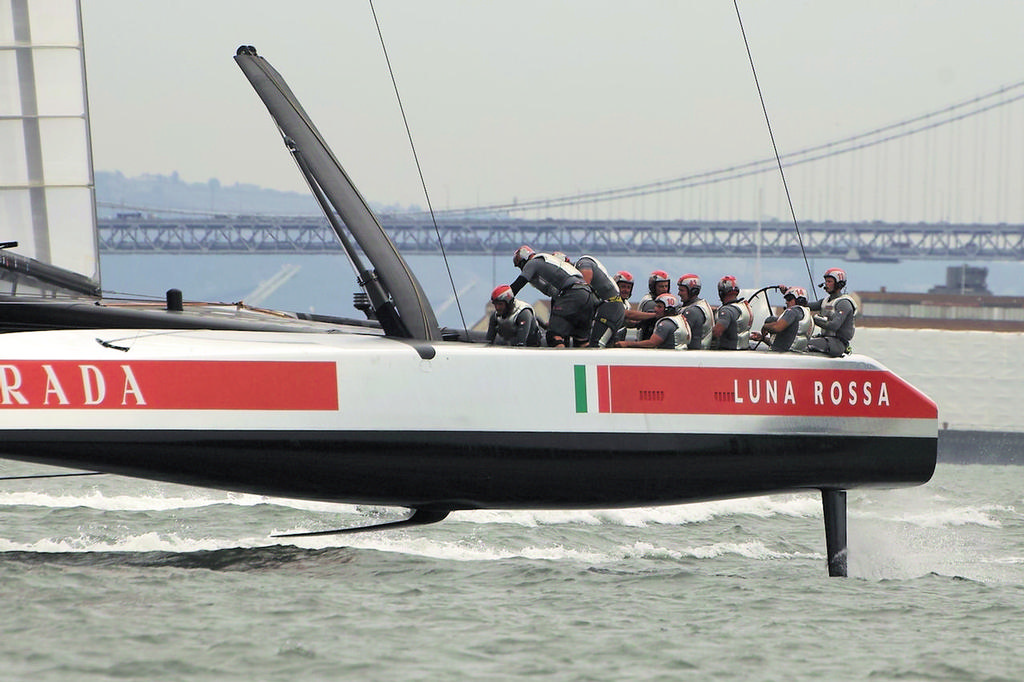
column 429, row 470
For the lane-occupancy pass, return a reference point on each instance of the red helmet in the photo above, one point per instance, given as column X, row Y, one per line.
column 521, row 255
column 503, row 293
column 691, row 282
column 727, row 284
column 670, row 302
column 623, row 276
column 799, row 293
column 656, row 277
column 838, row 274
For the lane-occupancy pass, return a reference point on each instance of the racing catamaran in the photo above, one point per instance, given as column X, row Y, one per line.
column 394, row 410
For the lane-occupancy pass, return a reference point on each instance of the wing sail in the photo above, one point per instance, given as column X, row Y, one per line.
column 47, row 190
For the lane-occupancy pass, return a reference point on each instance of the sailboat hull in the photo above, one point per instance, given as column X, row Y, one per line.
column 367, row 419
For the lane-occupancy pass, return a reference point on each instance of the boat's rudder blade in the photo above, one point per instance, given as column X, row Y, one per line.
column 419, row 517
column 833, row 503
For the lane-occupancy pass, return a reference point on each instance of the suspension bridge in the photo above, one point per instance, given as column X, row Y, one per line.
column 947, row 184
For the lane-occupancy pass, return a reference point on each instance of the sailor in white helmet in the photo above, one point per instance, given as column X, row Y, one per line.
column 609, row 315
column 733, row 318
column 513, row 322
column 670, row 330
column 572, row 300
column 696, row 310
column 791, row 329
column 836, row 320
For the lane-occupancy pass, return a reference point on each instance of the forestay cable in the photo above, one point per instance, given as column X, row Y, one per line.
column 775, row 148
column 419, row 169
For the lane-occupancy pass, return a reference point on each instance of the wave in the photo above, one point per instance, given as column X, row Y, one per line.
column 796, row 506
column 191, row 498
column 228, row 559
column 158, row 549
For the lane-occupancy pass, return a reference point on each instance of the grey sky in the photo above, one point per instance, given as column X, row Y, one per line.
column 525, row 98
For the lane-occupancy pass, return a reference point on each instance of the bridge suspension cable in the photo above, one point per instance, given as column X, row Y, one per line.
column 959, row 111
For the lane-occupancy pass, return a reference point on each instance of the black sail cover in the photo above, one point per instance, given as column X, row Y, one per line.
column 304, row 139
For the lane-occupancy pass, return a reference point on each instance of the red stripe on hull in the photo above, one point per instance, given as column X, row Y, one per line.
column 603, row 400
column 168, row 385
column 776, row 392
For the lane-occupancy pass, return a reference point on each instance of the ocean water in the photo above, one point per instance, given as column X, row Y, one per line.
column 112, row 578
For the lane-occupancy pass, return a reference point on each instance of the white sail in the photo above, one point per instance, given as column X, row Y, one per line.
column 47, row 191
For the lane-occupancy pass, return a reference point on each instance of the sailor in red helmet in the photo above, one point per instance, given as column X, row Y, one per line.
column 836, row 320
column 670, row 330
column 790, row 330
column 657, row 284
column 625, row 281
column 733, row 318
column 609, row 315
column 572, row 300
column 696, row 311
column 513, row 322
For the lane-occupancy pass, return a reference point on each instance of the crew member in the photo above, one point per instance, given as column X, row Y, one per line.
column 657, row 284
column 609, row 315
column 633, row 316
column 733, row 318
column 791, row 329
column 836, row 319
column 513, row 322
column 696, row 310
column 572, row 301
column 670, row 330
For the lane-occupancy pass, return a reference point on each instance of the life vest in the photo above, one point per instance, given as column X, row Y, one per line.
column 681, row 336
column 507, row 325
column 601, row 282
column 742, row 338
column 845, row 332
column 709, row 322
column 804, row 330
column 551, row 275
column 828, row 306
column 645, row 328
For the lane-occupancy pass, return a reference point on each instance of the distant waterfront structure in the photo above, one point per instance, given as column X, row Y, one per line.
column 963, row 280
column 963, row 303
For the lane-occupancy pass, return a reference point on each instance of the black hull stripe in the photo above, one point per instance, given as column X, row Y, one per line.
column 458, row 470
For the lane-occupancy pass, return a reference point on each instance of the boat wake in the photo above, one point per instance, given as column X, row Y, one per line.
column 892, row 534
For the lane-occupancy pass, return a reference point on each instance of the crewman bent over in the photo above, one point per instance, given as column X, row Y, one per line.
column 609, row 315
column 572, row 301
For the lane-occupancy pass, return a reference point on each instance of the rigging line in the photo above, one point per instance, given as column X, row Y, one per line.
column 771, row 134
column 419, row 169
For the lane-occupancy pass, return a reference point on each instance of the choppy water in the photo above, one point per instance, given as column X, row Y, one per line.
column 111, row 578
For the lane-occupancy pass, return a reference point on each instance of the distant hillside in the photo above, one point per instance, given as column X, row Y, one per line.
column 162, row 195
